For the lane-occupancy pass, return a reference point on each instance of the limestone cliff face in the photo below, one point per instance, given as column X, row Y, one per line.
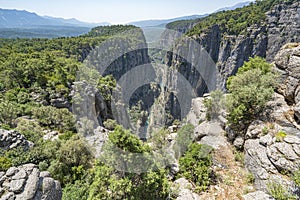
column 229, row 52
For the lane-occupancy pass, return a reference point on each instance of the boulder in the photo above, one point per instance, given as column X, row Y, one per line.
column 185, row 190
column 13, row 139
column 255, row 130
column 210, row 133
column 27, row 182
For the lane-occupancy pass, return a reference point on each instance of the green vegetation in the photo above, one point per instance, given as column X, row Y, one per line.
column 296, row 177
column 195, row 165
column 250, row 178
column 239, row 156
column 35, row 71
column 250, row 89
column 278, row 192
column 280, row 135
column 234, row 22
column 110, row 30
column 5, row 163
column 104, row 182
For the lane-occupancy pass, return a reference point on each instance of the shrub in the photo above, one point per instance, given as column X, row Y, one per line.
column 280, row 135
column 250, row 90
column 9, row 111
column 278, row 192
column 30, row 129
column 195, row 165
column 60, row 119
column 5, row 163
column 110, row 124
column 250, row 178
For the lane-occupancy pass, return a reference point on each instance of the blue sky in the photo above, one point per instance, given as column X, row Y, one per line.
column 117, row 11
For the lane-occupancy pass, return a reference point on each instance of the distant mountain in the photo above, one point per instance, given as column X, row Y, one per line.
column 239, row 5
column 25, row 19
column 75, row 22
column 163, row 22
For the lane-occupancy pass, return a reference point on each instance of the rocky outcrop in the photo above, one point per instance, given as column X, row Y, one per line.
column 272, row 143
column 283, row 27
column 185, row 190
column 97, row 140
column 287, row 63
column 258, row 195
column 229, row 52
column 27, row 182
column 13, row 139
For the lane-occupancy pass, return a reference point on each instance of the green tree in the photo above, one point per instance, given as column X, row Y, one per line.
column 249, row 91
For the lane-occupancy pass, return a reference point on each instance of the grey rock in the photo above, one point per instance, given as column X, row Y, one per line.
column 239, row 142
column 258, row 163
column 16, row 186
column 213, row 134
column 28, row 183
column 292, row 139
column 8, row 196
column 31, row 185
column 174, row 169
column 20, row 175
column 185, row 190
column 51, row 135
column 12, row 139
column 45, row 174
column 51, row 189
column 197, row 112
column 255, row 130
column 11, row 171
column 266, row 140
column 98, row 139
column 297, row 110
column 258, row 195
column 283, row 156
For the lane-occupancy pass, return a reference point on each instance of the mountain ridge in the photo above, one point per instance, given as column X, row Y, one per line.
column 13, row 18
column 164, row 22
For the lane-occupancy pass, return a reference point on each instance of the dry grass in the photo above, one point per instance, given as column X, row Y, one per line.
column 231, row 180
column 291, row 45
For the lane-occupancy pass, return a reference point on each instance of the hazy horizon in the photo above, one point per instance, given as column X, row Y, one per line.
column 117, row 11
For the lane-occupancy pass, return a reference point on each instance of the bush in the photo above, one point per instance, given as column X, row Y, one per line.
column 5, row 163
column 278, row 192
column 54, row 118
column 9, row 111
column 30, row 129
column 195, row 165
column 250, row 90
column 110, row 124
column 72, row 157
column 280, row 135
